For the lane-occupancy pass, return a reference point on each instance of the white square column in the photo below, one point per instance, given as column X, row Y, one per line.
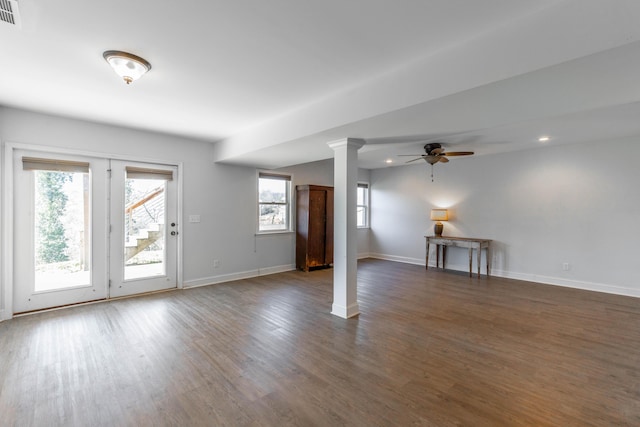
column 345, row 237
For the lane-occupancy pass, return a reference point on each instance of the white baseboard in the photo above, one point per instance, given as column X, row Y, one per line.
column 568, row 283
column 2, row 314
column 345, row 312
column 406, row 260
column 237, row 276
column 364, row 255
column 528, row 277
column 276, row 269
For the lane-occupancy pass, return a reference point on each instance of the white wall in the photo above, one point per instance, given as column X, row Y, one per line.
column 576, row 203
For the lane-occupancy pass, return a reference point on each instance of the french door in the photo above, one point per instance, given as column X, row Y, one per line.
column 143, row 237
column 89, row 228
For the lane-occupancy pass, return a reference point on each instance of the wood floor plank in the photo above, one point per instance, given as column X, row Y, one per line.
column 430, row 348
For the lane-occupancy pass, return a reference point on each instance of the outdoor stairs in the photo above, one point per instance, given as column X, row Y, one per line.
column 136, row 244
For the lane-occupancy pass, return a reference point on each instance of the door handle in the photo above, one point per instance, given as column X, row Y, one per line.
column 173, row 233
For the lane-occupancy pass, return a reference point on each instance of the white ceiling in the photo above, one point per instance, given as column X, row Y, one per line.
column 271, row 82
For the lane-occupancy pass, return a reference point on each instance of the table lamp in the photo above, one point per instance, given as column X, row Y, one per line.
column 439, row 215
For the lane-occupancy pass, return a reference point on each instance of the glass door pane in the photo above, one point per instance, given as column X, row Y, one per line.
column 62, row 236
column 144, row 219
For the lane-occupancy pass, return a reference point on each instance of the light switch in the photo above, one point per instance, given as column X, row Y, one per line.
column 194, row 218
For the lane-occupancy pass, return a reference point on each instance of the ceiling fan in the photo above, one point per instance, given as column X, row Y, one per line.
column 434, row 154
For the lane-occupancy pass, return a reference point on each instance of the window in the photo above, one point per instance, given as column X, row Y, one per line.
column 363, row 205
column 274, row 202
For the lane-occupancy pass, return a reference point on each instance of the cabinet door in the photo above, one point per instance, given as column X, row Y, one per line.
column 328, row 250
column 317, row 228
column 302, row 228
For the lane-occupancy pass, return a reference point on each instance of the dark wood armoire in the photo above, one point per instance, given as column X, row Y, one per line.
column 314, row 230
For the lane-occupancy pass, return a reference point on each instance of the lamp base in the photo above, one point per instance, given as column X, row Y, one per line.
column 437, row 229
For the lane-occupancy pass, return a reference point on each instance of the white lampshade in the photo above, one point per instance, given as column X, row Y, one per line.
column 127, row 65
column 439, row 215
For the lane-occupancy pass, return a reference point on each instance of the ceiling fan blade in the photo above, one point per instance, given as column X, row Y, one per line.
column 443, row 159
column 459, row 153
column 411, row 155
column 435, row 151
column 413, row 160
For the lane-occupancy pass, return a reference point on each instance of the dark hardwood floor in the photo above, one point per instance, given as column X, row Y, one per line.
column 431, row 348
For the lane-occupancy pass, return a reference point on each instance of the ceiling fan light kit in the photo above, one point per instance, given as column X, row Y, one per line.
column 127, row 65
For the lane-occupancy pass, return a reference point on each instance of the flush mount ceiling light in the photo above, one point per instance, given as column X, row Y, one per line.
column 127, row 65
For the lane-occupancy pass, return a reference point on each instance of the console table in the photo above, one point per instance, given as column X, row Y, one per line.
column 460, row 242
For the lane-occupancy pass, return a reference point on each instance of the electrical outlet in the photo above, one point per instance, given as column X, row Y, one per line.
column 216, row 263
column 565, row 266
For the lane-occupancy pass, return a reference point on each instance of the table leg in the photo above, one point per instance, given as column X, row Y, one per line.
column 444, row 256
column 426, row 261
column 479, row 260
column 437, row 256
column 470, row 261
column 488, row 257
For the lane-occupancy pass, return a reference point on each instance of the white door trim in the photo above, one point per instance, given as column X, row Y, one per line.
column 6, row 255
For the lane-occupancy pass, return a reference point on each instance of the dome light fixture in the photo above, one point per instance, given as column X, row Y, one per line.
column 127, row 65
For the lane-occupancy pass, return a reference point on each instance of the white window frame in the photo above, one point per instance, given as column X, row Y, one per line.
column 289, row 205
column 366, row 205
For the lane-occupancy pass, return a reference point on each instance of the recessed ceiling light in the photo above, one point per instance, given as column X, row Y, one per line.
column 388, row 161
column 544, row 139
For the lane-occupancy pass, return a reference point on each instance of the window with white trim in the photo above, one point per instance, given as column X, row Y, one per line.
column 363, row 205
column 274, row 202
